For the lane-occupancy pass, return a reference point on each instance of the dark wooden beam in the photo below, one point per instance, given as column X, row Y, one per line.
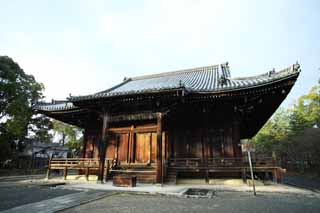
column 159, row 148
column 131, row 145
column 103, row 146
column 84, row 142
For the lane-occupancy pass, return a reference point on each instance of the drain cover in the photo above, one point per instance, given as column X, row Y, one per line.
column 194, row 192
column 50, row 185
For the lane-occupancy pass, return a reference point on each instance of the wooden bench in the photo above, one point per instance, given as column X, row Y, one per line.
column 124, row 180
column 80, row 164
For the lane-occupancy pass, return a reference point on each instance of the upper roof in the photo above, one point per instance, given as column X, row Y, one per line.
column 215, row 78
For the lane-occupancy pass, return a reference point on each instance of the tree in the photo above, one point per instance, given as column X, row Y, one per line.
column 41, row 128
column 18, row 91
column 293, row 132
column 306, row 112
column 273, row 134
column 69, row 135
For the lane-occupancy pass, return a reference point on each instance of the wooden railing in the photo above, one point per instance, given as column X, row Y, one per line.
column 80, row 163
column 198, row 163
column 85, row 164
column 225, row 165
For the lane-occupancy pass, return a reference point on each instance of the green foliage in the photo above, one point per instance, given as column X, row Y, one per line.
column 273, row 133
column 41, row 126
column 307, row 110
column 18, row 91
column 285, row 131
column 69, row 135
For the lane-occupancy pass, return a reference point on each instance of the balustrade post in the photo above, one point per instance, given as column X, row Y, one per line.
column 65, row 172
column 108, row 167
column 49, row 169
column 87, row 173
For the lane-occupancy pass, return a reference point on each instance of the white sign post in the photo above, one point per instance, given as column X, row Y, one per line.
column 248, row 147
column 251, row 171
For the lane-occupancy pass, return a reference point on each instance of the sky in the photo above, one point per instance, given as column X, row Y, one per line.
column 80, row 47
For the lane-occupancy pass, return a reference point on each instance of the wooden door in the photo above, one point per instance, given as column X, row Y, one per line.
column 123, row 147
column 111, row 147
column 145, row 147
column 142, row 148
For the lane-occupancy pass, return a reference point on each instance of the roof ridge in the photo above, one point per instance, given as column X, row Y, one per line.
column 292, row 68
column 195, row 69
column 126, row 80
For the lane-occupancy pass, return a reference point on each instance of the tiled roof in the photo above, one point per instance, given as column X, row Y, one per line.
column 55, row 106
column 214, row 78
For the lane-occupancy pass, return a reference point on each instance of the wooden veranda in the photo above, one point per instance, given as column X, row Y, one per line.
column 172, row 167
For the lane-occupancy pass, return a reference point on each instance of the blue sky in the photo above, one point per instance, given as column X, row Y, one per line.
column 81, row 47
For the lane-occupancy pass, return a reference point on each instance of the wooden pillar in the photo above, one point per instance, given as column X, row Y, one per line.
column 131, row 145
column 117, row 147
column 128, row 147
column 85, row 141
column 205, row 135
column 205, row 140
column 103, row 146
column 159, row 148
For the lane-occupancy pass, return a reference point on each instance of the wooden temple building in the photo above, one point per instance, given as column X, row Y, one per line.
column 186, row 123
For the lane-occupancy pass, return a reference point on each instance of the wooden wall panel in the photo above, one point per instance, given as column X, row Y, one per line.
column 228, row 146
column 195, row 144
column 215, row 144
column 181, row 145
column 236, row 139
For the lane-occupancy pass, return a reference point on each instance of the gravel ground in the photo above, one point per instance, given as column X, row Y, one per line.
column 222, row 202
column 14, row 194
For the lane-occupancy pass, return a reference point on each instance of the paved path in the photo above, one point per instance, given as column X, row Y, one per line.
column 59, row 203
column 180, row 188
column 21, row 177
column 14, row 194
column 240, row 202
